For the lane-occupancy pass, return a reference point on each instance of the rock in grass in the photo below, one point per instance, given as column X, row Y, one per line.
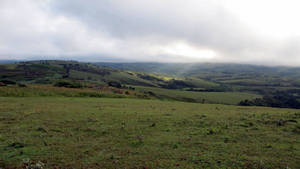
column 42, row 130
column 45, row 143
column 17, row 145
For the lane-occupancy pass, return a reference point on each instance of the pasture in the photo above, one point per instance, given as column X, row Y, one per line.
column 71, row 132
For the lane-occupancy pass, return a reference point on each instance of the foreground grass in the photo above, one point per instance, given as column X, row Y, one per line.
column 132, row 133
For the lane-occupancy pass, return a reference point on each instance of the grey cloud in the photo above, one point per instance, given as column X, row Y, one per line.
column 132, row 29
column 205, row 24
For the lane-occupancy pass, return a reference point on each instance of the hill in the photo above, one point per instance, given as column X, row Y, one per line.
column 85, row 75
column 188, row 69
column 279, row 86
column 245, row 85
column 49, row 71
column 7, row 61
column 235, row 75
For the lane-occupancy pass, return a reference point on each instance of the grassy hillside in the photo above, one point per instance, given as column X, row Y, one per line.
column 139, row 92
column 188, row 69
column 200, row 97
column 277, row 86
column 47, row 72
column 236, row 76
column 133, row 133
column 85, row 76
column 206, row 83
column 51, row 91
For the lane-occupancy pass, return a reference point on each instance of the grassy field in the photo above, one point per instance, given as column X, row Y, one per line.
column 232, row 98
column 52, row 91
column 190, row 96
column 70, row 132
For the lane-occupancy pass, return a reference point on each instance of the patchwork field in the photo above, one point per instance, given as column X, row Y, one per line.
column 70, row 132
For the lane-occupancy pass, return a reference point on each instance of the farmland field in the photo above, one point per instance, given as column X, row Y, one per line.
column 71, row 132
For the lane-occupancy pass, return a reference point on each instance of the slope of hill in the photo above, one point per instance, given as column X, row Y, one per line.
column 188, row 69
column 237, row 76
column 185, row 82
column 77, row 74
column 279, row 86
column 50, row 71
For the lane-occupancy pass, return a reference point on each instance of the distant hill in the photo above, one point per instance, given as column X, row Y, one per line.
column 212, row 83
column 188, row 69
column 50, row 71
column 237, row 76
column 187, row 76
column 73, row 74
column 7, row 61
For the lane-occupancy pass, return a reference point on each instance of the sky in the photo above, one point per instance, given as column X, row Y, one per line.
column 265, row 32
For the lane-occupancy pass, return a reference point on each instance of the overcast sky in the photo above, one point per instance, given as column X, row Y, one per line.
column 241, row 31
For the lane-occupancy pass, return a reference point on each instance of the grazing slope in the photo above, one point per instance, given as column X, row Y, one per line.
column 45, row 72
column 77, row 74
column 278, row 86
column 199, row 97
column 236, row 76
column 133, row 133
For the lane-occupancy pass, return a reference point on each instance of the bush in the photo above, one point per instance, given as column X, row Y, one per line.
column 2, row 84
column 115, row 84
column 8, row 82
column 276, row 99
column 68, row 84
column 21, row 85
column 177, row 84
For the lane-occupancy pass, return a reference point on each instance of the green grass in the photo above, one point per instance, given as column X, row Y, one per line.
column 210, row 97
column 201, row 83
column 47, row 72
column 133, row 133
column 47, row 90
column 140, row 92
